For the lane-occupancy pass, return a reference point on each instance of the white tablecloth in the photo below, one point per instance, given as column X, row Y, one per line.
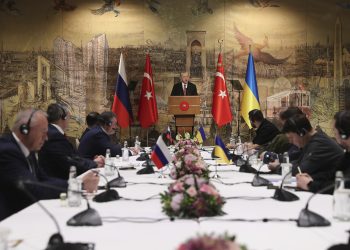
column 35, row 227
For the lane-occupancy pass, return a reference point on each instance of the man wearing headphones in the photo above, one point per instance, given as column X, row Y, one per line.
column 319, row 154
column 18, row 162
column 97, row 140
column 91, row 121
column 342, row 136
column 265, row 130
column 58, row 154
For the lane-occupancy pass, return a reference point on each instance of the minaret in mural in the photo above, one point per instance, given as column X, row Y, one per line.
column 95, row 58
column 338, row 66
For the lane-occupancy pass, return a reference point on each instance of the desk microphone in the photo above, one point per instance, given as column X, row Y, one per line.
column 117, row 182
column 244, row 165
column 284, row 195
column 148, row 169
column 109, row 194
column 56, row 241
column 259, row 181
column 308, row 218
column 341, row 246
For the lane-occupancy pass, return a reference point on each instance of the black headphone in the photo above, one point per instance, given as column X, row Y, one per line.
column 104, row 120
column 64, row 114
column 300, row 131
column 25, row 127
column 342, row 131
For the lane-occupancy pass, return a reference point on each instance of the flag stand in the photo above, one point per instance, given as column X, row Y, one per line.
column 161, row 172
column 216, row 175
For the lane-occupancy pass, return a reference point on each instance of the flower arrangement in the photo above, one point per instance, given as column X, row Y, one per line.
column 192, row 197
column 210, row 242
column 188, row 160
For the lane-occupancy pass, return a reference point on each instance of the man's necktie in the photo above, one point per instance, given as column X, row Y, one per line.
column 31, row 165
column 184, row 89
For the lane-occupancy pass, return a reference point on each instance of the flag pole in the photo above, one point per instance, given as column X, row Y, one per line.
column 147, row 137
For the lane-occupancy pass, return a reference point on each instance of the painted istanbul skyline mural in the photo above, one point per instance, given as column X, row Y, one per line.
column 68, row 51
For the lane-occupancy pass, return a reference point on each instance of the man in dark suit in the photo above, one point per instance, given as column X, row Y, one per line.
column 18, row 162
column 97, row 140
column 58, row 154
column 185, row 87
column 91, row 121
column 265, row 131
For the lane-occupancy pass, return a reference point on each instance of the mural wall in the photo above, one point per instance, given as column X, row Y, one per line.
column 68, row 51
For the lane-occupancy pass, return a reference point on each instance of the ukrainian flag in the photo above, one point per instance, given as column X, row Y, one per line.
column 250, row 99
column 201, row 135
column 221, row 151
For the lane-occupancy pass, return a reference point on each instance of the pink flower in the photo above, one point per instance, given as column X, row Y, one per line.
column 178, row 186
column 189, row 180
column 176, row 202
column 191, row 191
column 205, row 188
column 189, row 158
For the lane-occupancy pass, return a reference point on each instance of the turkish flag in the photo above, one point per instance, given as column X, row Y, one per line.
column 148, row 111
column 221, row 110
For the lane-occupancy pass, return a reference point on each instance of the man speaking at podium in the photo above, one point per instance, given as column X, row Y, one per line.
column 184, row 88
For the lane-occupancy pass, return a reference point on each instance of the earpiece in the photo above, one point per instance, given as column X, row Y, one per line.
column 300, row 131
column 64, row 114
column 25, row 127
column 342, row 131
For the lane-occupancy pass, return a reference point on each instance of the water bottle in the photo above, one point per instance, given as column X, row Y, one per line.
column 232, row 140
column 125, row 156
column 240, row 146
column 109, row 171
column 74, row 188
column 341, row 198
column 137, row 143
column 286, row 169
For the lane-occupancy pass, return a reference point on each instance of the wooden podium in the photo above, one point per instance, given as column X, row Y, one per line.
column 184, row 109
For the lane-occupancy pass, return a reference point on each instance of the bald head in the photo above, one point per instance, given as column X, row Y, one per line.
column 36, row 124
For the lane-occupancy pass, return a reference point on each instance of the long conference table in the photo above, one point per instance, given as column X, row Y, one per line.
column 131, row 224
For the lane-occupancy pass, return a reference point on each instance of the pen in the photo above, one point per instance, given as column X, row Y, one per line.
column 299, row 170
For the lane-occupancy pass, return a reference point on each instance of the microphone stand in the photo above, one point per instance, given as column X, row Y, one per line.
column 56, row 241
column 119, row 181
column 308, row 218
column 109, row 194
column 259, row 181
column 148, row 169
column 284, row 195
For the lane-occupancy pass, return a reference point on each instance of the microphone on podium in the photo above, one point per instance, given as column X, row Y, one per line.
column 56, row 241
column 109, row 194
column 308, row 218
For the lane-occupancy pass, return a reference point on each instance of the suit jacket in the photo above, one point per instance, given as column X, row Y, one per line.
column 265, row 133
column 85, row 131
column 96, row 142
column 53, row 156
column 178, row 91
column 13, row 168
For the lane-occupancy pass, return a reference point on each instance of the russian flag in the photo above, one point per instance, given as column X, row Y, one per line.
column 221, row 151
column 121, row 103
column 161, row 154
